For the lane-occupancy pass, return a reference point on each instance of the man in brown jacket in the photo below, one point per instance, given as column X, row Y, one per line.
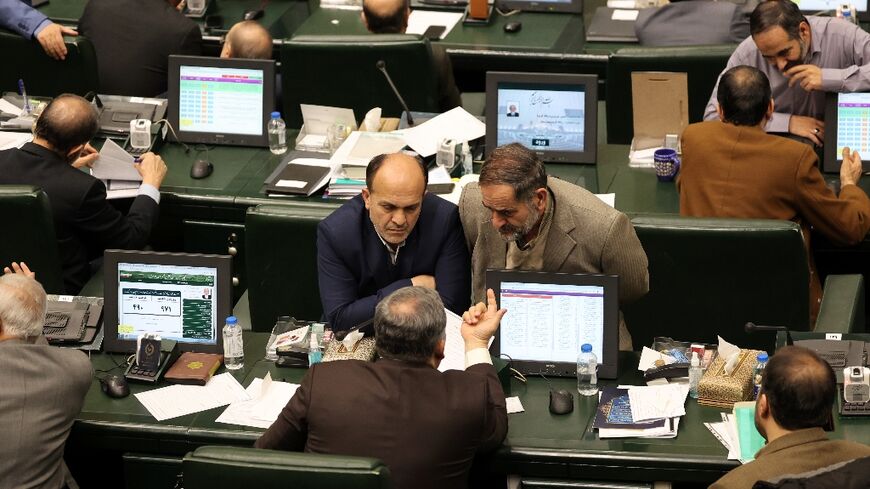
column 733, row 168
column 795, row 402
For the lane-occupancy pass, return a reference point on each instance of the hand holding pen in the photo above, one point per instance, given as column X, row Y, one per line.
column 152, row 168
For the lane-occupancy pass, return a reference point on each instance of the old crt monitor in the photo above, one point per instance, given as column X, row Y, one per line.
column 221, row 101
column 179, row 296
column 554, row 115
column 847, row 123
column 551, row 315
column 570, row 6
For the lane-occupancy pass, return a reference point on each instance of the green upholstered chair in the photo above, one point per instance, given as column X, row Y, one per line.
column 710, row 276
column 26, row 217
column 702, row 64
column 217, row 467
column 281, row 262
column 24, row 59
column 340, row 71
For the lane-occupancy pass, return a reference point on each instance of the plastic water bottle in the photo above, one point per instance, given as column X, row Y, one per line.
column 587, row 371
column 756, row 377
column 695, row 373
column 315, row 354
column 234, row 351
column 277, row 134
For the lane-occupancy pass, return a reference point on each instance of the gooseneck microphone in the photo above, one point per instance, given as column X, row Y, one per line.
column 383, row 67
column 751, row 327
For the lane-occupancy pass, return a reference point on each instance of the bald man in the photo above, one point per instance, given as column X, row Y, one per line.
column 85, row 223
column 248, row 40
column 393, row 235
column 391, row 17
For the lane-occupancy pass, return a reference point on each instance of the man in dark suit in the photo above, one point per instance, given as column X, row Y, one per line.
column 733, row 168
column 391, row 17
column 794, row 404
column 133, row 40
column 44, row 388
column 85, row 223
column 391, row 236
column 425, row 425
column 692, row 22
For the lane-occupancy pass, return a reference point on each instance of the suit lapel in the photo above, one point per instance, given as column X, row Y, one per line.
column 559, row 242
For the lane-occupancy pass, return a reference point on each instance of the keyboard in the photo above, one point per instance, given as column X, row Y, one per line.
column 853, row 408
column 134, row 372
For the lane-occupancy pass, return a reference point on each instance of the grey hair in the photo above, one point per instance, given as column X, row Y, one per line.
column 409, row 323
column 22, row 306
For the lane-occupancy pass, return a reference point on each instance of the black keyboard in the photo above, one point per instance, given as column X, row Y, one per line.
column 853, row 408
column 134, row 372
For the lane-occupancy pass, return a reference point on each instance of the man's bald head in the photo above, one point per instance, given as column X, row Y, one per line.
column 68, row 121
column 249, row 40
column 22, row 306
column 386, row 16
column 800, row 388
column 744, row 96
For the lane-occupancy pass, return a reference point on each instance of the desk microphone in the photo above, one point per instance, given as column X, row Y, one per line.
column 383, row 67
column 340, row 335
column 751, row 327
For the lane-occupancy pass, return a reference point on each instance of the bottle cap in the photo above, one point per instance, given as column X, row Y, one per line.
column 586, row 348
column 276, row 115
column 232, row 320
column 762, row 357
column 695, row 361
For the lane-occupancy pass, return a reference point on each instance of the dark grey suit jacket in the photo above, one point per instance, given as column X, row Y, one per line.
column 43, row 391
column 693, row 22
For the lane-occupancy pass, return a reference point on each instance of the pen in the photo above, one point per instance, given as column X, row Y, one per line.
column 27, row 108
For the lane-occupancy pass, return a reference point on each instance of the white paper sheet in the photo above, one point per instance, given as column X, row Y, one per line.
column 8, row 107
column 628, row 15
column 420, row 20
column 456, row 124
column 514, row 405
column 318, row 118
column 657, row 401
column 9, row 140
column 454, row 347
column 360, row 147
column 439, row 175
column 264, row 406
column 648, row 357
column 115, row 164
column 179, row 400
column 609, row 199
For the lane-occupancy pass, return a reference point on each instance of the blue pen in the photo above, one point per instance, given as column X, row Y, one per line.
column 27, row 108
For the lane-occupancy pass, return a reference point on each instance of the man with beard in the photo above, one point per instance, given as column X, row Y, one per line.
column 394, row 235
column 517, row 218
column 803, row 57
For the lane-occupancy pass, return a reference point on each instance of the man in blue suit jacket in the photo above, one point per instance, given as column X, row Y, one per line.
column 18, row 16
column 394, row 235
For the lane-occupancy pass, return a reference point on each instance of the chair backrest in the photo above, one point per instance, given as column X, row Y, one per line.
column 216, row 467
column 281, row 262
column 341, row 71
column 26, row 216
column 701, row 63
column 24, row 59
column 710, row 276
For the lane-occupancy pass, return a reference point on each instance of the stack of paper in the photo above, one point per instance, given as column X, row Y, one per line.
column 267, row 399
column 178, row 400
column 738, row 433
column 344, row 188
column 650, row 412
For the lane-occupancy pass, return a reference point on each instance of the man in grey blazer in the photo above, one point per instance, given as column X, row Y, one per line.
column 518, row 218
column 43, row 390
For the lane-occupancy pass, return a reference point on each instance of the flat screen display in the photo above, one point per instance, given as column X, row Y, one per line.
column 847, row 124
column 551, row 315
column 554, row 115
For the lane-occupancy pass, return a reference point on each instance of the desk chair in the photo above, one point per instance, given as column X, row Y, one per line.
column 702, row 64
column 340, row 71
column 710, row 276
column 281, row 243
column 26, row 217
column 216, row 467
column 24, row 59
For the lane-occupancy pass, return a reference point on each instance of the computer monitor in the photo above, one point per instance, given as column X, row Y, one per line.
column 551, row 315
column 812, row 7
column 554, row 115
column 847, row 123
column 221, row 101
column 179, row 296
column 571, row 6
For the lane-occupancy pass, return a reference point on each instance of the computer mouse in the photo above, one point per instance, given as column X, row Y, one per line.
column 561, row 402
column 115, row 386
column 253, row 14
column 201, row 169
column 513, row 26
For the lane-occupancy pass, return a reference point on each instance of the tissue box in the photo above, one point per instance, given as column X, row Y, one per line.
column 719, row 389
column 363, row 349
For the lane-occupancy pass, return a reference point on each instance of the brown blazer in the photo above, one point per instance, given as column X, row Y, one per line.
column 798, row 452
column 740, row 171
column 425, row 425
column 586, row 236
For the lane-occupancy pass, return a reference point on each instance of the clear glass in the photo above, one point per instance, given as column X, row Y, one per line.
column 282, row 325
column 587, row 374
column 277, row 136
column 335, row 136
column 234, row 351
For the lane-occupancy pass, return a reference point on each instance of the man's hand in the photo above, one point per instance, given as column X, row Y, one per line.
column 807, row 127
column 51, row 39
column 808, row 76
column 427, row 281
column 152, row 168
column 480, row 322
column 850, row 170
column 87, row 158
column 22, row 269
